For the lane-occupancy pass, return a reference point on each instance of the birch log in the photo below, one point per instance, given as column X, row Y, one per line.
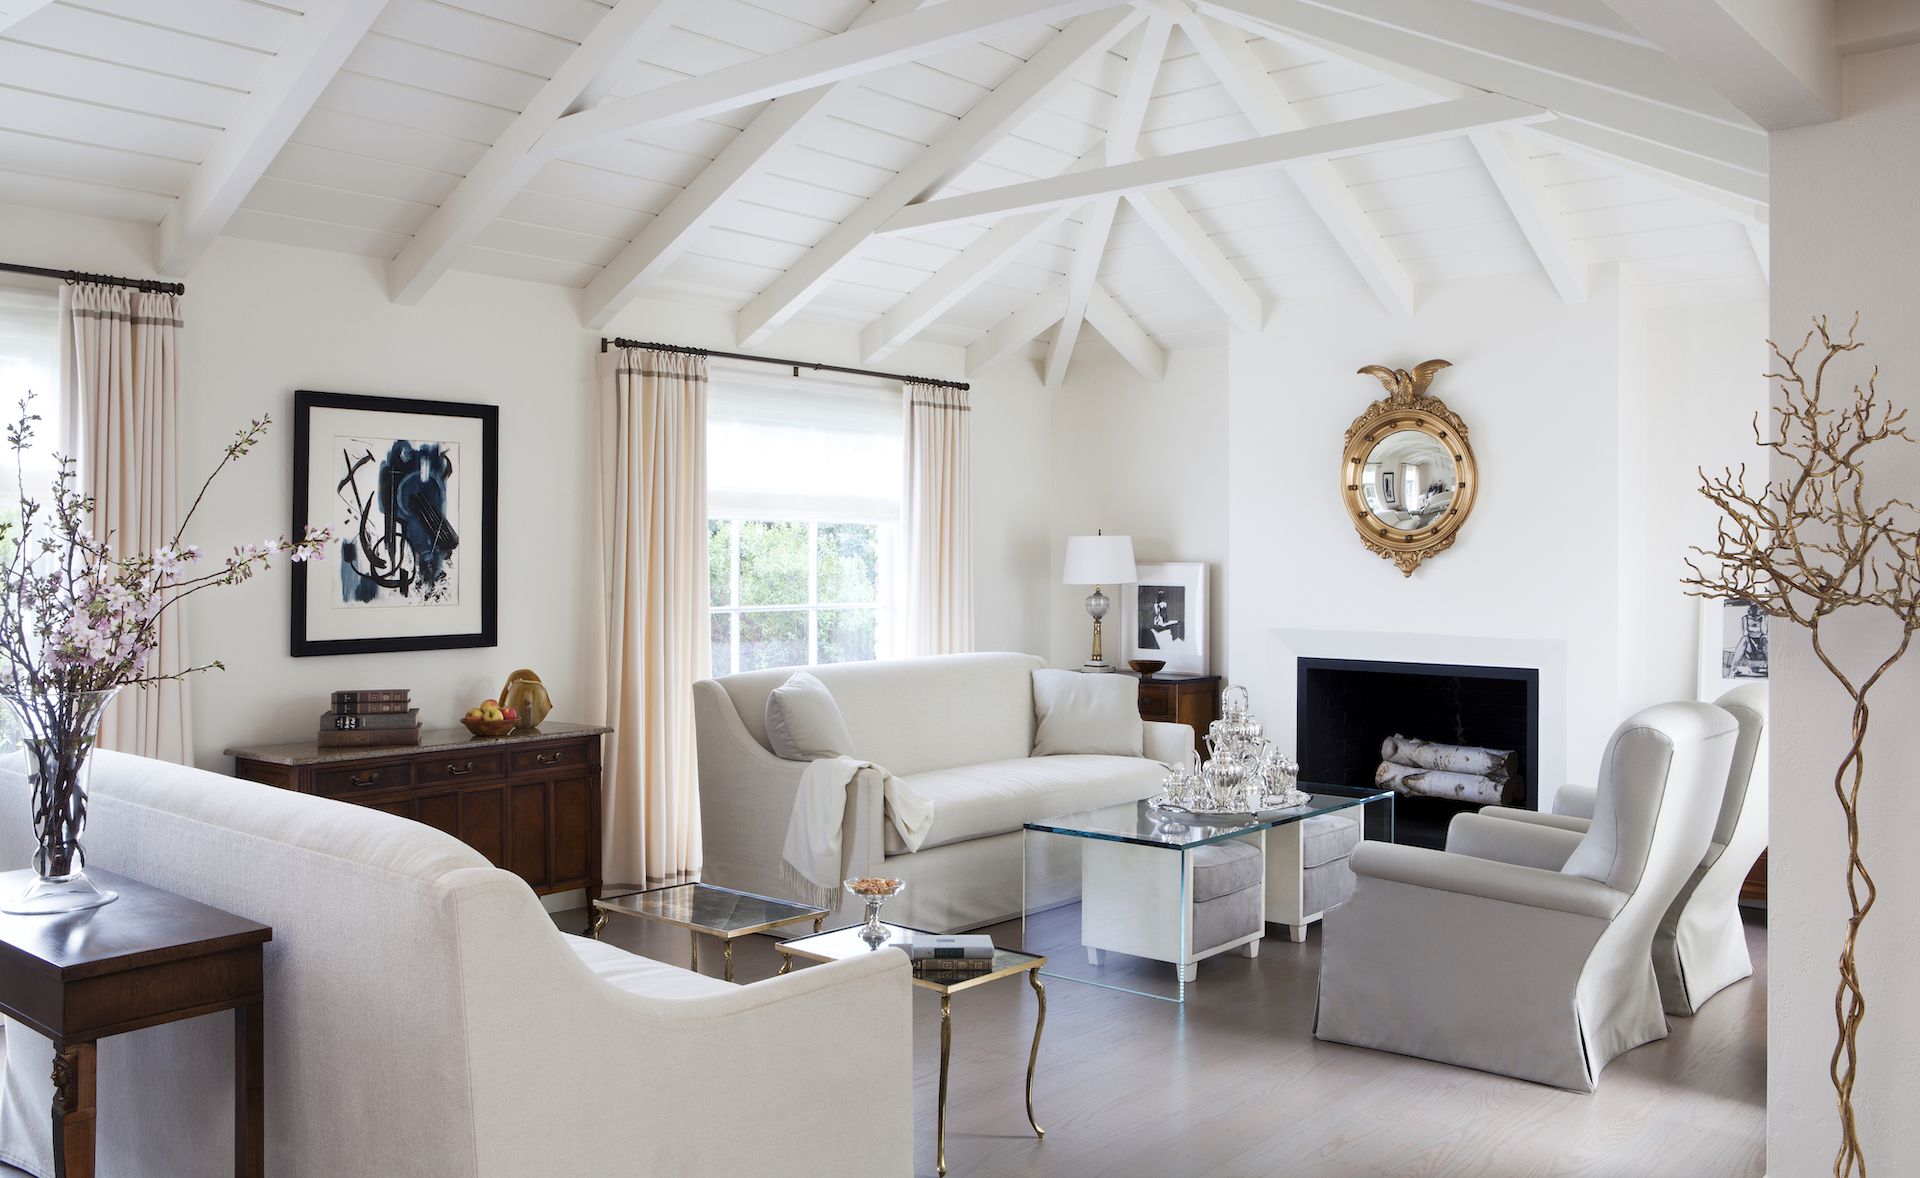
column 1452, row 758
column 1440, row 783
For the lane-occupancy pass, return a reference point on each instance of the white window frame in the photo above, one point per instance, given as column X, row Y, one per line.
column 813, row 605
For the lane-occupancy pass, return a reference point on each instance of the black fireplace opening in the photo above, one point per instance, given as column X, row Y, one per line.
column 1349, row 707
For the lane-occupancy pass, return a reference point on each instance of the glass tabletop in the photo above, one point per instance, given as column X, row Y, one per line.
column 708, row 908
column 841, row 943
column 1137, row 822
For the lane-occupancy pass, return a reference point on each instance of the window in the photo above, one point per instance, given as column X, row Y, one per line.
column 29, row 363
column 803, row 495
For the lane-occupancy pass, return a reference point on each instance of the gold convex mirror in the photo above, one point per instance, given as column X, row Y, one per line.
column 1408, row 475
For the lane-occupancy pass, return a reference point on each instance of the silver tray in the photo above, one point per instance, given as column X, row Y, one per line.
column 1159, row 802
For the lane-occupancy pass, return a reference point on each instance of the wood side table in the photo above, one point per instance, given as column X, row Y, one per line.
column 1182, row 699
column 148, row 958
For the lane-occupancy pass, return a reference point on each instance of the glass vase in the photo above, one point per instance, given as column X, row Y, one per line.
column 58, row 736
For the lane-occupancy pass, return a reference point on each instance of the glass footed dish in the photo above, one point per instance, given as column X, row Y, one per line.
column 875, row 890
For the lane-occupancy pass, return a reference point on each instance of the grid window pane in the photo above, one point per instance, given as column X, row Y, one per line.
column 721, row 627
column 849, row 563
column 776, row 638
column 773, row 565
column 848, row 635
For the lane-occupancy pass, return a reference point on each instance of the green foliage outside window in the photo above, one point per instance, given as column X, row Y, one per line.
column 787, row 571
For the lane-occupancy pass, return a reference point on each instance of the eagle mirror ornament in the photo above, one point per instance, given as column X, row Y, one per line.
column 1408, row 476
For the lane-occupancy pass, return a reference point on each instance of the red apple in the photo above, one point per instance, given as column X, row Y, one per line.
column 509, row 714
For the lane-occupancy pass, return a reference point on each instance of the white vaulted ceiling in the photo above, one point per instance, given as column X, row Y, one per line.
column 568, row 142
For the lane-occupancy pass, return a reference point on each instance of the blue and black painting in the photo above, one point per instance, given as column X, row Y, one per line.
column 398, row 541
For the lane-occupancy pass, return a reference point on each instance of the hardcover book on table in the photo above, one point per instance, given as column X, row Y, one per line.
column 353, row 721
column 950, row 947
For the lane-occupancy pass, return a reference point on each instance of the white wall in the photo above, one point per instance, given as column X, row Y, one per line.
column 1845, row 239
column 265, row 320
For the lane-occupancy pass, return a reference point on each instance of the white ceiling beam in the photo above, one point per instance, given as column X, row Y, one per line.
column 314, row 51
column 1129, row 113
column 12, row 12
column 1225, row 49
column 1329, row 21
column 1732, row 181
column 1421, row 124
column 1019, row 329
column 1866, row 26
column 911, row 36
column 1746, row 212
column 1117, row 327
column 1773, row 59
column 1196, row 252
column 1562, row 259
column 663, row 239
column 959, row 145
column 512, row 161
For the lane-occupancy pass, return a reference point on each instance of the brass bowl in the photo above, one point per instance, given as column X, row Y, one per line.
column 1147, row 667
column 489, row 727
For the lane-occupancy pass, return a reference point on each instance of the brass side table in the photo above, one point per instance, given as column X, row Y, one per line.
column 709, row 910
column 1007, row 963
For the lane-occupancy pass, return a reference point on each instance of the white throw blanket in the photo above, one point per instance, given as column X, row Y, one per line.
column 811, row 859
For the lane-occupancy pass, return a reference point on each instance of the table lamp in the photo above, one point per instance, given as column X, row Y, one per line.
column 1099, row 560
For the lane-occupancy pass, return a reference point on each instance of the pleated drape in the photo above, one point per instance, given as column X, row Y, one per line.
column 654, row 483
column 938, row 558
column 121, row 423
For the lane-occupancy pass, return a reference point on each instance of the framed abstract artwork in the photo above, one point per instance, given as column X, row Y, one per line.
column 410, row 490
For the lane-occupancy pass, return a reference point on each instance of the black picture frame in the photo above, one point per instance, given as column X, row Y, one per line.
column 305, row 401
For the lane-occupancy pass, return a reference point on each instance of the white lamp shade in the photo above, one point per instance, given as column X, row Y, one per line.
column 1099, row 560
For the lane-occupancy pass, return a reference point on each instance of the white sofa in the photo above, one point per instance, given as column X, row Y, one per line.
column 425, row 1019
column 960, row 730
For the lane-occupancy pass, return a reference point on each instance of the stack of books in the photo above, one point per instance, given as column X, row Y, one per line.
column 370, row 719
column 942, row 955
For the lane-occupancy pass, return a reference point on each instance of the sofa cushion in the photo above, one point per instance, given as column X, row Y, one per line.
column 642, row 975
column 803, row 722
column 1086, row 713
column 1326, row 837
column 974, row 801
column 1221, row 869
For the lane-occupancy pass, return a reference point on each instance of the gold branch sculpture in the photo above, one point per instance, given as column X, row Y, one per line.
column 1803, row 548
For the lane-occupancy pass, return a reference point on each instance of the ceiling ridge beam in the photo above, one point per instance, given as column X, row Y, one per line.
column 1329, row 21
column 1562, row 259
column 927, row 32
column 993, row 116
column 315, row 49
column 512, row 160
column 1420, row 124
column 664, row 238
column 1123, row 136
column 1018, row 329
column 1225, row 50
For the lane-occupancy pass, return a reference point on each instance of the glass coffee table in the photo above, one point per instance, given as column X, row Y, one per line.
column 707, row 910
column 1007, row 963
column 1109, row 893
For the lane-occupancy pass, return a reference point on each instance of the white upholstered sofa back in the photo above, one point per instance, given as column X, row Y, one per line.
column 915, row 715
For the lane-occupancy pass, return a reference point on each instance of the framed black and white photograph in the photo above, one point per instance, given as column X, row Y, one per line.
column 1386, row 489
column 1733, row 645
column 410, row 491
column 1164, row 616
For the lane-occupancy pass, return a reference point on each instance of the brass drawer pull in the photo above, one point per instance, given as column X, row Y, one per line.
column 455, row 771
column 545, row 759
column 359, row 782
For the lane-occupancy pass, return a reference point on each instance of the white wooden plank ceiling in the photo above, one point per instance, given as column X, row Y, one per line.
column 1199, row 162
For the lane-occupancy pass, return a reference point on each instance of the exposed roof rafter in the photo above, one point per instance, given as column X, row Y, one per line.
column 1563, row 260
column 1019, row 329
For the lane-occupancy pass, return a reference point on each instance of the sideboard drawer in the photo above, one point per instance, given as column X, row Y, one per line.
column 458, row 767
column 353, row 779
column 553, row 756
column 1156, row 701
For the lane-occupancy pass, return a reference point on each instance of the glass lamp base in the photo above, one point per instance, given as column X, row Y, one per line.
column 52, row 896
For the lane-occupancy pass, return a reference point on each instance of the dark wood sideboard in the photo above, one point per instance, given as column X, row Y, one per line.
column 529, row 802
column 1182, row 699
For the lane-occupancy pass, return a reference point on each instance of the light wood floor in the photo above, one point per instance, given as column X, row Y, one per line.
column 1235, row 1084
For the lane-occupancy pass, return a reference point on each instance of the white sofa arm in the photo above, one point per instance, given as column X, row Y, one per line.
column 1574, row 801
column 1536, row 818
column 1485, row 878
column 1169, row 744
column 1524, row 843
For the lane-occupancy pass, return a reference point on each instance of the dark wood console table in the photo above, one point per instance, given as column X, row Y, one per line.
column 529, row 801
column 150, row 957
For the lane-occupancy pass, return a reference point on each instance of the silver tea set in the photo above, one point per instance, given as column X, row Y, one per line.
column 1244, row 771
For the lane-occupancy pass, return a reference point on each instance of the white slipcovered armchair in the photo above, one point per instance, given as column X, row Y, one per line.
column 1701, row 946
column 1523, row 949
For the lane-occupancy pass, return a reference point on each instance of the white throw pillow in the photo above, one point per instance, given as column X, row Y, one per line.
column 1079, row 712
column 803, row 722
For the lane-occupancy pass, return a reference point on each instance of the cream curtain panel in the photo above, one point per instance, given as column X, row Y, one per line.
column 654, row 483
column 938, row 558
column 120, row 420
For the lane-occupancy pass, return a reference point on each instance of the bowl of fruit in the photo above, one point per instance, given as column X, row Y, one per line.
column 490, row 719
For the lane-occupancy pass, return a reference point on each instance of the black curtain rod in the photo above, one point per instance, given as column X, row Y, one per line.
column 152, row 285
column 796, row 365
